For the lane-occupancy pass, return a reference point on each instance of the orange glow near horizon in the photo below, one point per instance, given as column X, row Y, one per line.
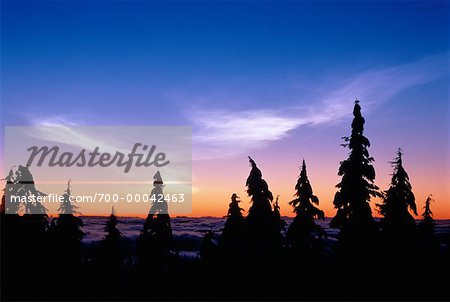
column 204, row 207
column 212, row 190
column 215, row 180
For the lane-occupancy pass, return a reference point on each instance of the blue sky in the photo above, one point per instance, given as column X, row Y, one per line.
column 140, row 62
column 245, row 75
column 90, row 53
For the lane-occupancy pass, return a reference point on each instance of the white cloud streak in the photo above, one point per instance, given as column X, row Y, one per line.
column 221, row 133
column 63, row 130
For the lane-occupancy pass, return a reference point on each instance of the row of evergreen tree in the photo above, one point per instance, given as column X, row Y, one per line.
column 262, row 228
column 354, row 216
column 260, row 239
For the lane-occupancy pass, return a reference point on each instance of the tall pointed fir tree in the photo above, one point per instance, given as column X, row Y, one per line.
column 232, row 243
column 67, row 207
column 354, row 216
column 263, row 243
column 427, row 215
column 14, row 249
column 31, row 232
column 35, row 214
column 429, row 251
column 398, row 225
column 111, row 254
column 66, row 234
column 304, row 233
column 233, row 234
column 156, row 237
column 11, row 189
column 428, row 241
column 398, row 228
column 279, row 222
column 208, row 249
column 263, row 229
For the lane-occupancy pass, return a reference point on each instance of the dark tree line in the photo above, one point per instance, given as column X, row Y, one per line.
column 395, row 242
column 252, row 253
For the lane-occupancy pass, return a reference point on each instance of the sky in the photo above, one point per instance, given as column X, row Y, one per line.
column 272, row 79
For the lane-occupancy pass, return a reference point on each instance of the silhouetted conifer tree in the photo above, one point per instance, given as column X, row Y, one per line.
column 263, row 234
column 279, row 222
column 431, row 256
column 156, row 237
column 111, row 248
column 399, row 232
column 208, row 248
column 427, row 215
column 263, row 227
column 67, row 205
column 232, row 247
column 399, row 226
column 14, row 252
column 24, row 182
column 10, row 189
column 233, row 234
column 66, row 234
column 428, row 242
column 354, row 216
column 30, row 245
column 35, row 217
column 303, row 232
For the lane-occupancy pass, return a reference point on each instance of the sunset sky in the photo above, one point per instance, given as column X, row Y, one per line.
column 274, row 80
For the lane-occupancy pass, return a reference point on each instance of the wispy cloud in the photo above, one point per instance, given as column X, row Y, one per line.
column 254, row 126
column 221, row 132
column 62, row 130
column 54, row 120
